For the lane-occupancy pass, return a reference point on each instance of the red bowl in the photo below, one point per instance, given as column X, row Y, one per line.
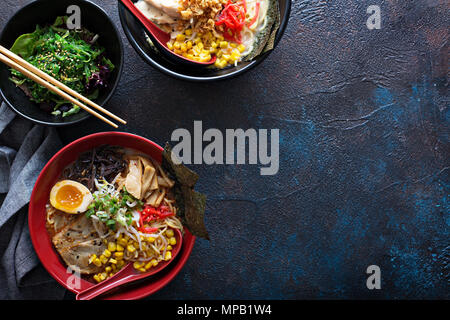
column 37, row 216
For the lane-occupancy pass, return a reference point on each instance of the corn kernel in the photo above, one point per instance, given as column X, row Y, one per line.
column 148, row 265
column 241, row 48
column 120, row 264
column 169, row 247
column 111, row 246
column 92, row 258
column 122, row 241
column 172, row 241
column 168, row 256
column 119, row 247
column 103, row 259
column 97, row 278
column 188, row 32
column 108, row 269
column 154, row 262
column 235, row 56
column 103, row 276
column 97, row 262
column 131, row 248
column 142, row 269
column 183, row 47
column 170, row 233
column 223, row 44
column 137, row 265
column 118, row 255
column 107, row 253
column 170, row 45
column 113, row 261
column 233, row 44
column 180, row 37
column 176, row 45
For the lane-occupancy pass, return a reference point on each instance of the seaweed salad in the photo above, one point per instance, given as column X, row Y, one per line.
column 71, row 56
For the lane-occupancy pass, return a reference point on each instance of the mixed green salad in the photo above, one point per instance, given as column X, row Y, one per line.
column 71, row 56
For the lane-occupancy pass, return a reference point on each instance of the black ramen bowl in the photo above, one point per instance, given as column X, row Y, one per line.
column 44, row 12
column 136, row 35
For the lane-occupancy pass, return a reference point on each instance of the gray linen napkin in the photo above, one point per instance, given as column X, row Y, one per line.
column 24, row 150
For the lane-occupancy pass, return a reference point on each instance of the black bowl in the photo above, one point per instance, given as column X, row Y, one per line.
column 136, row 35
column 43, row 12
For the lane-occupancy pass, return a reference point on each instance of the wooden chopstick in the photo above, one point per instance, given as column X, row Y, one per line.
column 16, row 62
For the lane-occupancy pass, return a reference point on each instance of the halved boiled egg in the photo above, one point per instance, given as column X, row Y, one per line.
column 70, row 196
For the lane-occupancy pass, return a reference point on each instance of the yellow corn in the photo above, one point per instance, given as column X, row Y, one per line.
column 118, row 255
column 154, row 262
column 119, row 247
column 131, row 248
column 103, row 276
column 108, row 269
column 111, row 246
column 169, row 233
column 107, row 253
column 168, row 256
column 97, row 262
column 172, row 241
column 97, row 278
column 169, row 247
column 92, row 258
column 200, row 49
column 122, row 241
column 103, row 259
column 180, row 37
column 113, row 261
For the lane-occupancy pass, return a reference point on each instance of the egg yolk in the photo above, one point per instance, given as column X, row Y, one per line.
column 69, row 197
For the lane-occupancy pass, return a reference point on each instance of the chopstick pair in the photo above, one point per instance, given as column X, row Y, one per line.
column 45, row 80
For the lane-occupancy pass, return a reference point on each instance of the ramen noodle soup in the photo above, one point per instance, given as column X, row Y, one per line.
column 113, row 206
column 233, row 30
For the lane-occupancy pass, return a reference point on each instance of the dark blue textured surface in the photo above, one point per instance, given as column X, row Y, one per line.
column 364, row 157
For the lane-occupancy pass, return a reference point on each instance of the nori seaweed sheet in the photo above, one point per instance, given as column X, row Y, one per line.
column 191, row 204
column 266, row 38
